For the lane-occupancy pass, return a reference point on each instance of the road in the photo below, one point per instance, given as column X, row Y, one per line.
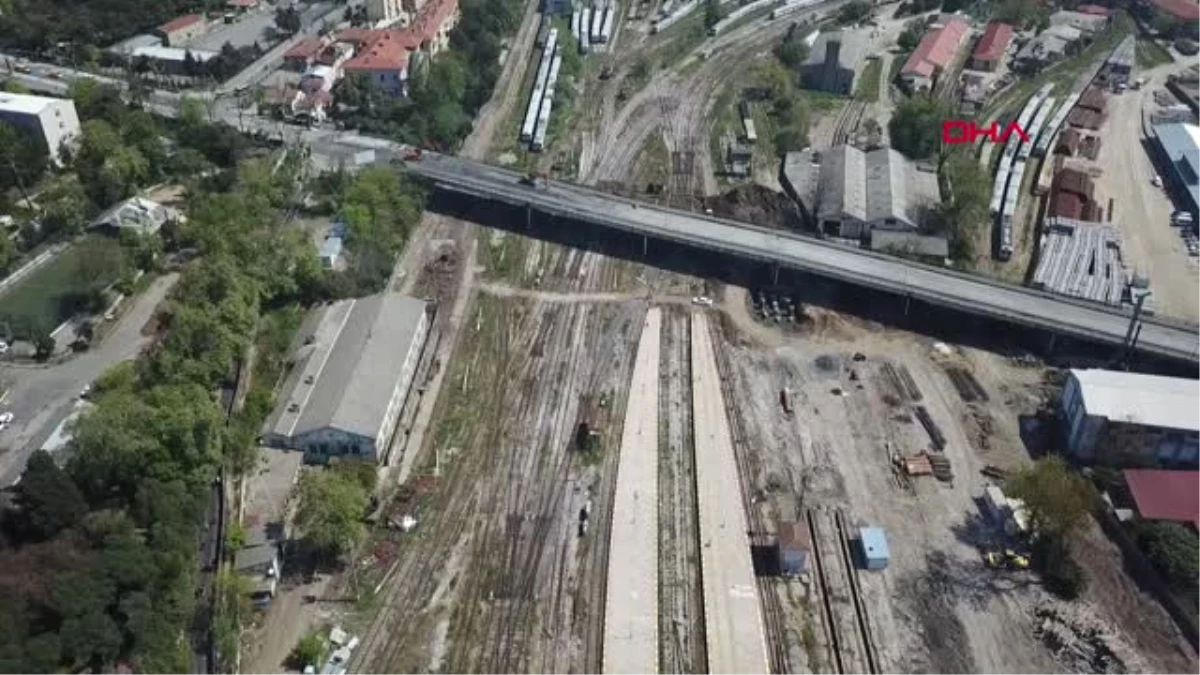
column 40, row 397
column 940, row 286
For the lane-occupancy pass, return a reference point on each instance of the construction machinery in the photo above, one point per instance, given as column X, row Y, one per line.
column 1008, row 559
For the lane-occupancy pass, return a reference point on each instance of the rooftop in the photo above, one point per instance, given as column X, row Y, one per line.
column 307, row 48
column 179, row 23
column 381, row 49
column 994, row 42
column 28, row 104
column 160, row 53
column 1165, row 495
column 936, row 49
column 794, row 535
column 1181, row 144
column 1135, row 398
column 354, row 360
column 1183, row 10
column 1092, row 9
column 852, row 48
column 898, row 241
column 135, row 213
column 254, row 556
column 874, row 186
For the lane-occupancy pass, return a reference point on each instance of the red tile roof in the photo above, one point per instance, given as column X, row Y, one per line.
column 1165, row 495
column 936, row 50
column 244, row 4
column 179, row 23
column 1184, row 10
column 389, row 49
column 306, row 49
column 1077, row 182
column 1069, row 205
column 994, row 42
column 1094, row 10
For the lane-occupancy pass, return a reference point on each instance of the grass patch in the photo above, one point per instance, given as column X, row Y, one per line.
column 62, row 287
column 653, row 162
column 868, row 83
column 503, row 256
column 680, row 39
column 1150, row 54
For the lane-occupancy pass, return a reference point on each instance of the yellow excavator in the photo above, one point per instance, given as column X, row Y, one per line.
column 1006, row 559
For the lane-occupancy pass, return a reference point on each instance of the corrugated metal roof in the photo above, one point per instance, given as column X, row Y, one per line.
column 794, row 536
column 1136, row 398
column 851, row 48
column 1165, row 495
column 994, row 42
column 936, row 49
column 874, row 542
column 1181, row 144
column 874, row 186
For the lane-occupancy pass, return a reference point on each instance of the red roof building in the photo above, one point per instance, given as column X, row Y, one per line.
column 1186, row 11
column 1165, row 495
column 934, row 54
column 1094, row 10
column 382, row 55
column 992, row 46
column 179, row 30
column 304, row 53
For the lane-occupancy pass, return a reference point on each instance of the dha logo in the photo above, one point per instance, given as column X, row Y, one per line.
column 966, row 131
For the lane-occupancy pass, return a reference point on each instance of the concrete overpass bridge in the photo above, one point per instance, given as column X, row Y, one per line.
column 950, row 289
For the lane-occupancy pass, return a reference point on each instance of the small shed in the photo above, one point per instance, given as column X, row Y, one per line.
column 794, row 548
column 874, row 547
column 331, row 250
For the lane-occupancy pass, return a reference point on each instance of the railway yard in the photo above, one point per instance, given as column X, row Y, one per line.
column 614, row 448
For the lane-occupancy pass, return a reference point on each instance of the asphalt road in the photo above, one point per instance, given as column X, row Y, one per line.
column 41, row 396
column 940, row 286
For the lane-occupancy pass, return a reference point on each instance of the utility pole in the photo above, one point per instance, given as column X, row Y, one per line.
column 1135, row 326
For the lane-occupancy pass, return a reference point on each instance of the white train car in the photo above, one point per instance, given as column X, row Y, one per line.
column 1035, row 127
column 675, row 17
column 585, row 22
column 1044, row 141
column 596, row 25
column 543, row 123
column 575, row 23
column 998, row 188
column 606, row 28
column 528, row 124
column 738, row 13
column 1026, row 117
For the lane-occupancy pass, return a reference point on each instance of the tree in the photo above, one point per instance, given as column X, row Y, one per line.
column 854, row 12
column 792, row 50
column 916, row 127
column 1172, row 549
column 287, row 19
column 43, row 345
column 65, row 207
column 309, row 651
column 49, row 500
column 911, row 36
column 330, row 512
column 1057, row 499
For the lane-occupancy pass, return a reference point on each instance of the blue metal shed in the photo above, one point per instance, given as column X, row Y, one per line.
column 874, row 547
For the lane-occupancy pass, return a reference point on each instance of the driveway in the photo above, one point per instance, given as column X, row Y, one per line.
column 41, row 396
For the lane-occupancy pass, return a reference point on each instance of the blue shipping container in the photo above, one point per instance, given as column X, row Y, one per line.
column 874, row 547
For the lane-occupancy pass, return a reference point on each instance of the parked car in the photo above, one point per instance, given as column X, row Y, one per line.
column 3, row 347
column 702, row 301
column 6, row 418
column 1156, row 181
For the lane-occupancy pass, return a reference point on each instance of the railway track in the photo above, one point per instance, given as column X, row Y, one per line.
column 681, row 600
column 760, row 535
column 848, row 122
column 844, row 612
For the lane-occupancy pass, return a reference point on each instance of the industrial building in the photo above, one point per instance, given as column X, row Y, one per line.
column 1164, row 495
column 1131, row 419
column 351, row 377
column 992, row 47
column 794, row 548
column 847, row 192
column 53, row 121
column 934, row 54
column 831, row 61
column 1178, row 148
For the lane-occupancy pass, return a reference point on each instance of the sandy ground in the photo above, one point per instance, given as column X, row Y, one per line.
column 936, row 607
column 1142, row 211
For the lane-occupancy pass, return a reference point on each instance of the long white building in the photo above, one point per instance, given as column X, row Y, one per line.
column 52, row 120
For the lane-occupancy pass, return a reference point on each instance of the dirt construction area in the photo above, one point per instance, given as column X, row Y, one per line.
column 855, row 391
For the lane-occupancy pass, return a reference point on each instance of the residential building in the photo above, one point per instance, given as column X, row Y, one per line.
column 1158, row 494
column 1177, row 150
column 383, row 56
column 53, row 121
column 136, row 214
column 1051, row 46
column 934, row 54
column 832, row 60
column 1183, row 14
column 351, row 378
column 991, row 48
column 1131, row 419
column 933, row 249
column 181, row 30
column 304, row 53
column 385, row 13
column 794, row 548
column 846, row 192
column 1084, row 22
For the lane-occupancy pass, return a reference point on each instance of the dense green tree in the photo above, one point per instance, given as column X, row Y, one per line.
column 792, row 50
column 330, row 511
column 1057, row 498
column 287, row 19
column 22, row 159
column 911, row 36
column 1172, row 548
column 856, row 11
column 65, row 207
column 916, row 126
column 49, row 501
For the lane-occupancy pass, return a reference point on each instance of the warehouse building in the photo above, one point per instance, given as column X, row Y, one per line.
column 832, row 60
column 1178, row 148
column 53, row 121
column 847, row 192
column 1130, row 419
column 934, row 54
column 992, row 47
column 350, row 378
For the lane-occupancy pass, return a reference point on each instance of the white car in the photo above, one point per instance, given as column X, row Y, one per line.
column 3, row 347
column 6, row 418
column 1156, row 181
column 702, row 301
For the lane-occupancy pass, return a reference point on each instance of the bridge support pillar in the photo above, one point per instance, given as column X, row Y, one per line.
column 645, row 245
column 1050, row 345
column 775, row 275
column 528, row 215
column 907, row 302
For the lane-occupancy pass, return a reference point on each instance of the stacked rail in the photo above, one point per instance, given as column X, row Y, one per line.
column 1082, row 260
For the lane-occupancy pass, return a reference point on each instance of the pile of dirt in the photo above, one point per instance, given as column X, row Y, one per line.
column 1077, row 639
column 758, row 205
